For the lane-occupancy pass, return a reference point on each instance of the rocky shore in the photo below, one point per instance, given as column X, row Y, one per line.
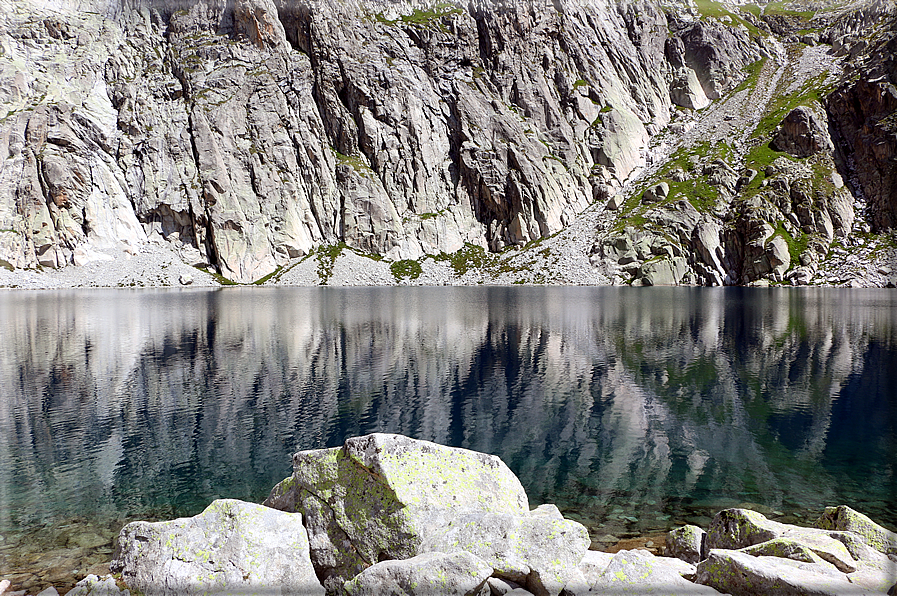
column 386, row 514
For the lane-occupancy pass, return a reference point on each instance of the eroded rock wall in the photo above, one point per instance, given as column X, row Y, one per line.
column 248, row 133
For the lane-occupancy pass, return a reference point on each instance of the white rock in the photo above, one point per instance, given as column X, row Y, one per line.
column 639, row 572
column 539, row 550
column 739, row 574
column 230, row 548
column 385, row 493
column 428, row 574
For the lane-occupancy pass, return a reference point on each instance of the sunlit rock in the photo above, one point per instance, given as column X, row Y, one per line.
column 459, row 573
column 230, row 548
column 538, row 550
column 379, row 496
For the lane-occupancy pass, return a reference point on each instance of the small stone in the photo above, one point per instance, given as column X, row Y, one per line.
column 615, row 202
column 51, row 591
column 186, row 279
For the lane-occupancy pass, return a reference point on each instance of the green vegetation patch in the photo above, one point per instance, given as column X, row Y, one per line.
column 813, row 91
column 218, row 277
column 424, row 17
column 406, row 268
column 263, row 280
column 357, row 163
column 326, row 256
column 710, row 8
column 796, row 246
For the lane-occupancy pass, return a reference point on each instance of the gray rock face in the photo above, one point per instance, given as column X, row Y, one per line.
column 686, row 543
column 686, row 90
column 230, row 548
column 862, row 113
column 741, row 574
column 379, row 496
column 459, row 573
column 739, row 528
column 248, row 133
column 536, row 550
column 639, row 572
column 716, row 54
column 802, row 133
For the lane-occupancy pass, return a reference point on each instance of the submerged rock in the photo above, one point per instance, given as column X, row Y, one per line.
column 230, row 548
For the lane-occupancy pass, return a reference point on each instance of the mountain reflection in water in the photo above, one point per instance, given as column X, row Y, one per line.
column 633, row 409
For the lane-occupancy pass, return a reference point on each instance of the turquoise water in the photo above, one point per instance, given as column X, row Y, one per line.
column 634, row 409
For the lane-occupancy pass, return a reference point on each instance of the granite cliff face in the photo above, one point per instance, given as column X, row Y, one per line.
column 248, row 135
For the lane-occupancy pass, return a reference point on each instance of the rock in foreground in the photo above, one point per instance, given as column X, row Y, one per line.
column 386, row 514
column 230, row 548
column 377, row 497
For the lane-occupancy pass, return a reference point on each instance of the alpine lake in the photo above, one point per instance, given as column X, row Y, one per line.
column 635, row 410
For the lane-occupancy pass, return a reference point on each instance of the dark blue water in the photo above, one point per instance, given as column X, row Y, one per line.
column 634, row 409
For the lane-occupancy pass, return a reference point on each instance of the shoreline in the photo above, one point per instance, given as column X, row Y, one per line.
column 158, row 265
column 47, row 563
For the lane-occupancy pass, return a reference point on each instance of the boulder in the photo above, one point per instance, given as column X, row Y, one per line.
column 802, row 133
column 640, row 572
column 593, row 565
column 656, row 193
column 538, row 550
column 740, row 528
column 846, row 519
column 686, row 543
column 615, row 202
column 741, row 574
column 785, row 548
column 230, row 548
column 663, row 271
column 426, row 575
column 686, row 90
column 378, row 496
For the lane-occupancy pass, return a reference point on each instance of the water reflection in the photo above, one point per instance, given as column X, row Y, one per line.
column 634, row 409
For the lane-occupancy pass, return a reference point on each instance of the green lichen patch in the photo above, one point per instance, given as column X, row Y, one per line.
column 406, row 268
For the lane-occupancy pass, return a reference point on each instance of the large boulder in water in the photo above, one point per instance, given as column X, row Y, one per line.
column 230, row 548
column 377, row 497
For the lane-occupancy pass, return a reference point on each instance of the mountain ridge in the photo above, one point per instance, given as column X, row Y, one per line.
column 566, row 142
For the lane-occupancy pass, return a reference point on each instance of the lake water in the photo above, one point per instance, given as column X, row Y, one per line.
column 634, row 409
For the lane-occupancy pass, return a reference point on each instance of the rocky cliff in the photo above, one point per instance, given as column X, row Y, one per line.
column 250, row 135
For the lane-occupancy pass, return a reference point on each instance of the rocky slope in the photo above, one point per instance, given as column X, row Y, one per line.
column 547, row 142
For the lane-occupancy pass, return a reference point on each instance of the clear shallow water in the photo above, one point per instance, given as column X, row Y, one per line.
column 634, row 409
